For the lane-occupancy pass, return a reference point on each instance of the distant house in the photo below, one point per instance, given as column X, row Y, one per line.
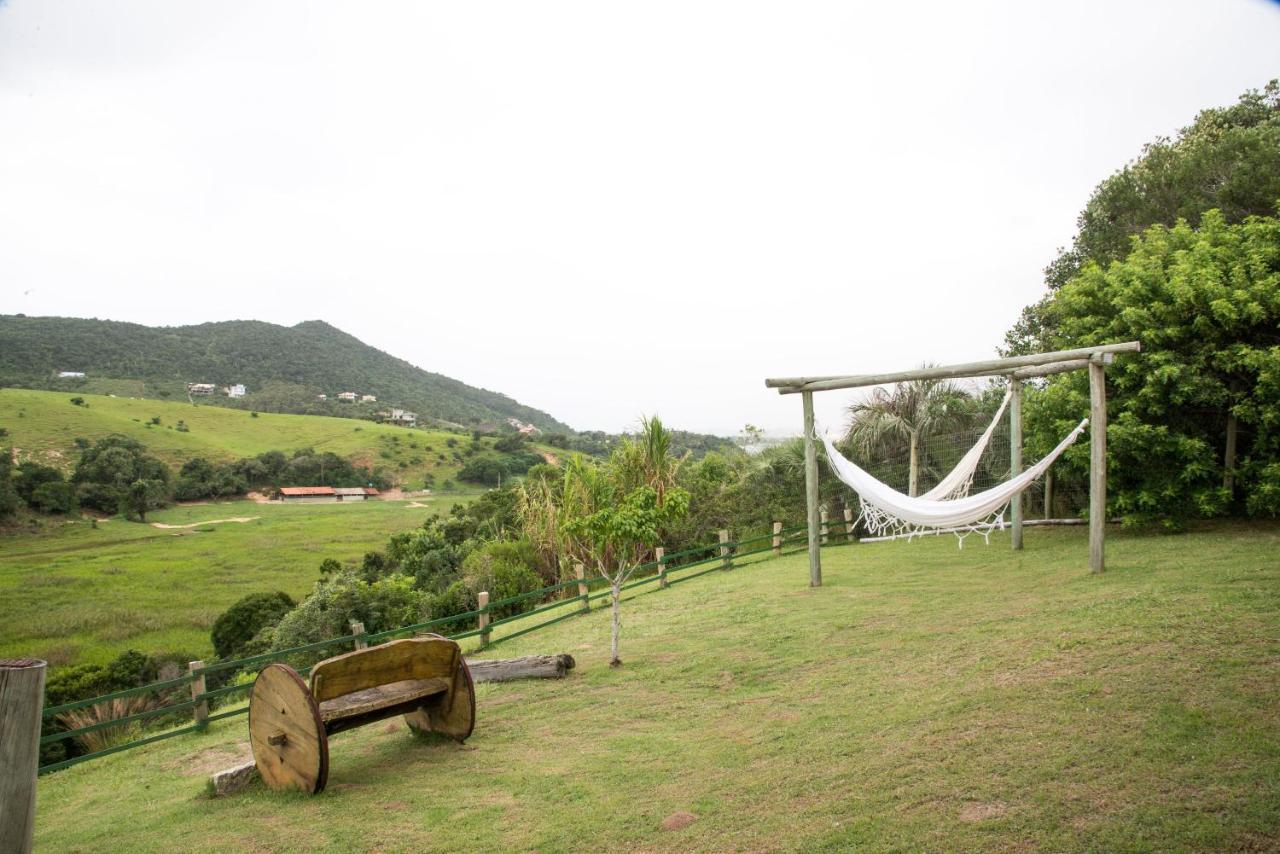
column 368, row 398
column 355, row 493
column 347, row 396
column 201, row 389
column 307, row 494
column 523, row 428
column 322, row 397
column 237, row 390
column 403, row 417
column 70, row 375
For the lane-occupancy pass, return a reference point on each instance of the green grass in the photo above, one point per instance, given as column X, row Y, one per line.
column 72, row 593
column 924, row 698
column 43, row 425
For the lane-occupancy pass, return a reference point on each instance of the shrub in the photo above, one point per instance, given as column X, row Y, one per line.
column 504, row 569
column 237, row 625
column 54, row 497
column 387, row 603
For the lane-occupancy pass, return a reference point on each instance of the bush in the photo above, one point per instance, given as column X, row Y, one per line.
column 54, row 497
column 387, row 603
column 237, row 625
column 504, row 569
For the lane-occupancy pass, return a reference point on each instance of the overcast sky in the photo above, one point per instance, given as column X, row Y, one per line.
column 601, row 209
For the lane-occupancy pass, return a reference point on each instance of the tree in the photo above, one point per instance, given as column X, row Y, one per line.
column 10, row 501
column 620, row 535
column 117, row 475
column 31, row 475
column 1228, row 159
column 912, row 412
column 238, row 625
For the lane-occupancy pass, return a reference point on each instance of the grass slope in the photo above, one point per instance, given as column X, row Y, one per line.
column 925, row 698
column 72, row 593
column 43, row 425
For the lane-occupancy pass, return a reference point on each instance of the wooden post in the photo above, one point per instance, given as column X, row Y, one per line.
column 1015, row 459
column 849, row 525
column 1229, row 457
column 483, row 617
column 811, row 491
column 21, row 706
column 1097, row 465
column 357, row 629
column 198, row 688
column 660, row 555
column 777, row 538
column 1048, row 493
column 726, row 558
column 583, row 590
column 822, row 524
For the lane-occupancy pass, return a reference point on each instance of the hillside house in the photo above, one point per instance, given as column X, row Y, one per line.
column 70, row 375
column 201, row 389
column 322, row 397
column 523, row 428
column 307, row 494
column 237, row 390
column 347, row 396
column 355, row 493
column 368, row 398
column 403, row 417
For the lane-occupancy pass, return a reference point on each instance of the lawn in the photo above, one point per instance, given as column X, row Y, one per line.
column 924, row 698
column 72, row 593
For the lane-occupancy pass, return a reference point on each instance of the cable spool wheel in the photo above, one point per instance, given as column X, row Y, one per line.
column 285, row 731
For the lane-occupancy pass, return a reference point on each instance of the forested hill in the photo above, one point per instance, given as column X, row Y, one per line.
column 284, row 368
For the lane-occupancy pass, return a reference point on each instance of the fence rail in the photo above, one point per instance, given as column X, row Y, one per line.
column 720, row 555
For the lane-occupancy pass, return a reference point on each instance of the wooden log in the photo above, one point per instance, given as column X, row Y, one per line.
column 811, row 492
column 482, row 619
column 357, row 630
column 1048, row 494
column 849, row 525
column 822, row 525
column 195, row 668
column 1229, row 456
column 584, row 592
column 660, row 555
column 988, row 367
column 21, row 705
column 1049, row 370
column 777, row 538
column 1097, row 466
column 1015, row 460
column 726, row 553
column 528, row 667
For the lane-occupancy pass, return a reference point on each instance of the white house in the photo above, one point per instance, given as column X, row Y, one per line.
column 237, row 390
column 71, row 375
column 322, row 397
column 368, row 398
column 201, row 389
column 403, row 417
column 347, row 396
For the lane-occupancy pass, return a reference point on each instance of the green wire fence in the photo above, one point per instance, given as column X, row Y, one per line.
column 667, row 571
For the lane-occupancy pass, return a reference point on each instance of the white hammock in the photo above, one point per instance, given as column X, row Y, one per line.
column 887, row 510
column 959, row 479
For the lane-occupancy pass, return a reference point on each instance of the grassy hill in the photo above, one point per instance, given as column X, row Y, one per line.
column 44, row 425
column 284, row 367
column 925, row 698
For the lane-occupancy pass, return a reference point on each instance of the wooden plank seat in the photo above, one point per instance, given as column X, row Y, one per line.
column 424, row 679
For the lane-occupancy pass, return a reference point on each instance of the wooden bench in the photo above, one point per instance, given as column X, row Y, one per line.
column 424, row 679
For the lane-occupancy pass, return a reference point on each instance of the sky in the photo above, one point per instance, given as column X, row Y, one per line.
column 601, row 209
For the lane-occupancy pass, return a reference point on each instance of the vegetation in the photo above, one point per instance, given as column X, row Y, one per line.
column 117, row 475
column 283, row 367
column 978, row 699
column 237, row 626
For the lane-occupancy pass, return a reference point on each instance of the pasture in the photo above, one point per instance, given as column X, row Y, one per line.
column 925, row 697
column 73, row 593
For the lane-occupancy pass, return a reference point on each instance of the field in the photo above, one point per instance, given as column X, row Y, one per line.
column 72, row 593
column 924, row 698
column 44, row 425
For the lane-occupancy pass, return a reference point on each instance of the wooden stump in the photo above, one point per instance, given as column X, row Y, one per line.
column 288, row 738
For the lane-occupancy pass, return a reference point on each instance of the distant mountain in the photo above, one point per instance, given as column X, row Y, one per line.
column 284, row 368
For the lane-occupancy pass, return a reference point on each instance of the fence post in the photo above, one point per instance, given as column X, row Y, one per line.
column 660, row 555
column 822, row 517
column 196, row 668
column 848, row 525
column 483, row 618
column 583, row 591
column 777, row 538
column 725, row 557
column 357, row 630
column 21, row 706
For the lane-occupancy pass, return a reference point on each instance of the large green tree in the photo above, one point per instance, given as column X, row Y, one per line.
column 117, row 475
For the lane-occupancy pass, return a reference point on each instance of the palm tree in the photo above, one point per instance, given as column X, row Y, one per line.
column 912, row 412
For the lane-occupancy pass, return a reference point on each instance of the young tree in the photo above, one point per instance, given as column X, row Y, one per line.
column 619, row 535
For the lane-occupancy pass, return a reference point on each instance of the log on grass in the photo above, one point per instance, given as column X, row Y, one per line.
column 529, row 667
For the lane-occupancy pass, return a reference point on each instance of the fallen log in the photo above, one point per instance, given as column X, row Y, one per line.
column 529, row 667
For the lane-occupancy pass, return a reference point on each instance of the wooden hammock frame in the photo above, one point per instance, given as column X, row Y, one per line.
column 1016, row 369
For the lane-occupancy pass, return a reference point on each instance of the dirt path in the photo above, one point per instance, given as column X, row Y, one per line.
column 240, row 519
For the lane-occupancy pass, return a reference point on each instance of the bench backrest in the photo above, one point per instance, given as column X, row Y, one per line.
column 396, row 661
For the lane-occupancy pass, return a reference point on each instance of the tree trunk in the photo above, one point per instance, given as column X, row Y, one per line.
column 913, row 478
column 616, row 591
column 1229, row 457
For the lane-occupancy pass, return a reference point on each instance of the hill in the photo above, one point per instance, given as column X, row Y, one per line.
column 283, row 367
column 44, row 426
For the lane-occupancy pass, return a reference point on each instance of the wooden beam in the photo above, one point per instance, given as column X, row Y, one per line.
column 21, row 702
column 1048, row 370
column 1097, row 466
column 1015, row 460
column 529, row 667
column 811, row 492
column 989, row 367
